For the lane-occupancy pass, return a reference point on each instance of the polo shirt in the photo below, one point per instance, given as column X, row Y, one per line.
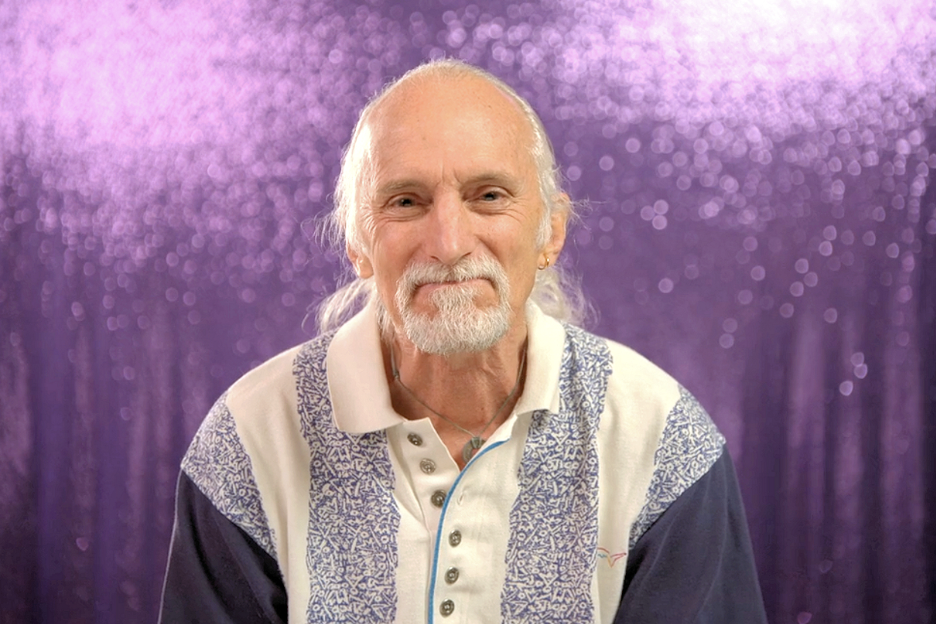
column 606, row 496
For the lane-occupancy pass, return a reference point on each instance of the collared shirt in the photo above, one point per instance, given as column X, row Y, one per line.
column 366, row 518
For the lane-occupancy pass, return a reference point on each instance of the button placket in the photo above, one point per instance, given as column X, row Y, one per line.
column 448, row 574
column 451, row 574
column 454, row 576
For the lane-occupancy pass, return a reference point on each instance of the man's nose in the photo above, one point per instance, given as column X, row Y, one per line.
column 450, row 233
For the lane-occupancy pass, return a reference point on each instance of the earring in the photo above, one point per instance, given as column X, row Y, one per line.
column 543, row 267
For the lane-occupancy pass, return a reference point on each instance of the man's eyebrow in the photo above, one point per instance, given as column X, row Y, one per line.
column 395, row 186
column 413, row 184
column 493, row 177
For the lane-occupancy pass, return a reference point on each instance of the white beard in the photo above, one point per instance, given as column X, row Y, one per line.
column 458, row 325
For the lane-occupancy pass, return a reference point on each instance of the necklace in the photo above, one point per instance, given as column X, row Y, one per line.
column 476, row 442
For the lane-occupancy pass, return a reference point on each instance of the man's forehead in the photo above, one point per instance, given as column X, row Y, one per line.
column 397, row 167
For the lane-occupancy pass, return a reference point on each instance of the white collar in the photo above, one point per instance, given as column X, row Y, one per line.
column 357, row 382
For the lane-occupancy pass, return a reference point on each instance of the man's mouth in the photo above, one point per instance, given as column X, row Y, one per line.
column 471, row 281
column 469, row 278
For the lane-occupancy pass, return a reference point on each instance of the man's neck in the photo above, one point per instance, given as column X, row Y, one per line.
column 472, row 392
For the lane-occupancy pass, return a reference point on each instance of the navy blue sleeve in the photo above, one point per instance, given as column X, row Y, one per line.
column 695, row 565
column 217, row 573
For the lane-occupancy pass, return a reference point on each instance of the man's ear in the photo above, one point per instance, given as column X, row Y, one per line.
column 557, row 220
column 360, row 262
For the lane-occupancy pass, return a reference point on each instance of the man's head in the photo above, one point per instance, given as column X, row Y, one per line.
column 352, row 178
column 448, row 201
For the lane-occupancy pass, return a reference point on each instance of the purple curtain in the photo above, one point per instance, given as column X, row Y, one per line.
column 756, row 217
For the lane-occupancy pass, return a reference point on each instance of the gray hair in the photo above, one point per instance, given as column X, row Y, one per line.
column 555, row 291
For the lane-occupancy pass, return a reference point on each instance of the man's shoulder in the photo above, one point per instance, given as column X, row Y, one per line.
column 280, row 371
column 266, row 396
column 629, row 370
column 256, row 416
column 644, row 401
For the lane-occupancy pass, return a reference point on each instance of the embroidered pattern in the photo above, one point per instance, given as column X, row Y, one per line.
column 353, row 520
column 219, row 465
column 690, row 444
column 552, row 549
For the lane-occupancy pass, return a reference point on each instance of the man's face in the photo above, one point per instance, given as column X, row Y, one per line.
column 451, row 213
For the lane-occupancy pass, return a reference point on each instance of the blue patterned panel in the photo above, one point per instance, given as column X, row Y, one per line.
column 690, row 444
column 219, row 465
column 551, row 552
column 353, row 519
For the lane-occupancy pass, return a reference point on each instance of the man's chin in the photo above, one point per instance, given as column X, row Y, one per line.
column 431, row 312
column 436, row 339
column 447, row 332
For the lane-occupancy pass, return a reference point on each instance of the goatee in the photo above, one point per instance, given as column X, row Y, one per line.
column 458, row 324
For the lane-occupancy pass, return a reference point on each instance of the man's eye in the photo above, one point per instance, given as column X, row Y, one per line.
column 404, row 202
column 491, row 196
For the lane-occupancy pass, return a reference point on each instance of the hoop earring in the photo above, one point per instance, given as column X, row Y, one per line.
column 543, row 267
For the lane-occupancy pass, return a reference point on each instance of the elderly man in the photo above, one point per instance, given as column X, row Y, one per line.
column 453, row 452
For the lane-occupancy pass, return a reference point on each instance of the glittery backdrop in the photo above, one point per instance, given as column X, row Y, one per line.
column 759, row 221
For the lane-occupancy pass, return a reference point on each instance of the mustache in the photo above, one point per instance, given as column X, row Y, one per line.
column 482, row 267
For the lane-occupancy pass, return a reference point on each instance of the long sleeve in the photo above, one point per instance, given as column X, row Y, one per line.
column 217, row 573
column 695, row 563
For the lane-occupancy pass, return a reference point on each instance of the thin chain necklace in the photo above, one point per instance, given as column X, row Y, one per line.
column 476, row 442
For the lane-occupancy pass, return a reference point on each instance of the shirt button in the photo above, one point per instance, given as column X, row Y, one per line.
column 447, row 607
column 438, row 498
column 427, row 465
column 415, row 439
column 455, row 538
column 451, row 575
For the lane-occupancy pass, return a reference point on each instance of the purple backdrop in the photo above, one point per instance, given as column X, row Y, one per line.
column 759, row 221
